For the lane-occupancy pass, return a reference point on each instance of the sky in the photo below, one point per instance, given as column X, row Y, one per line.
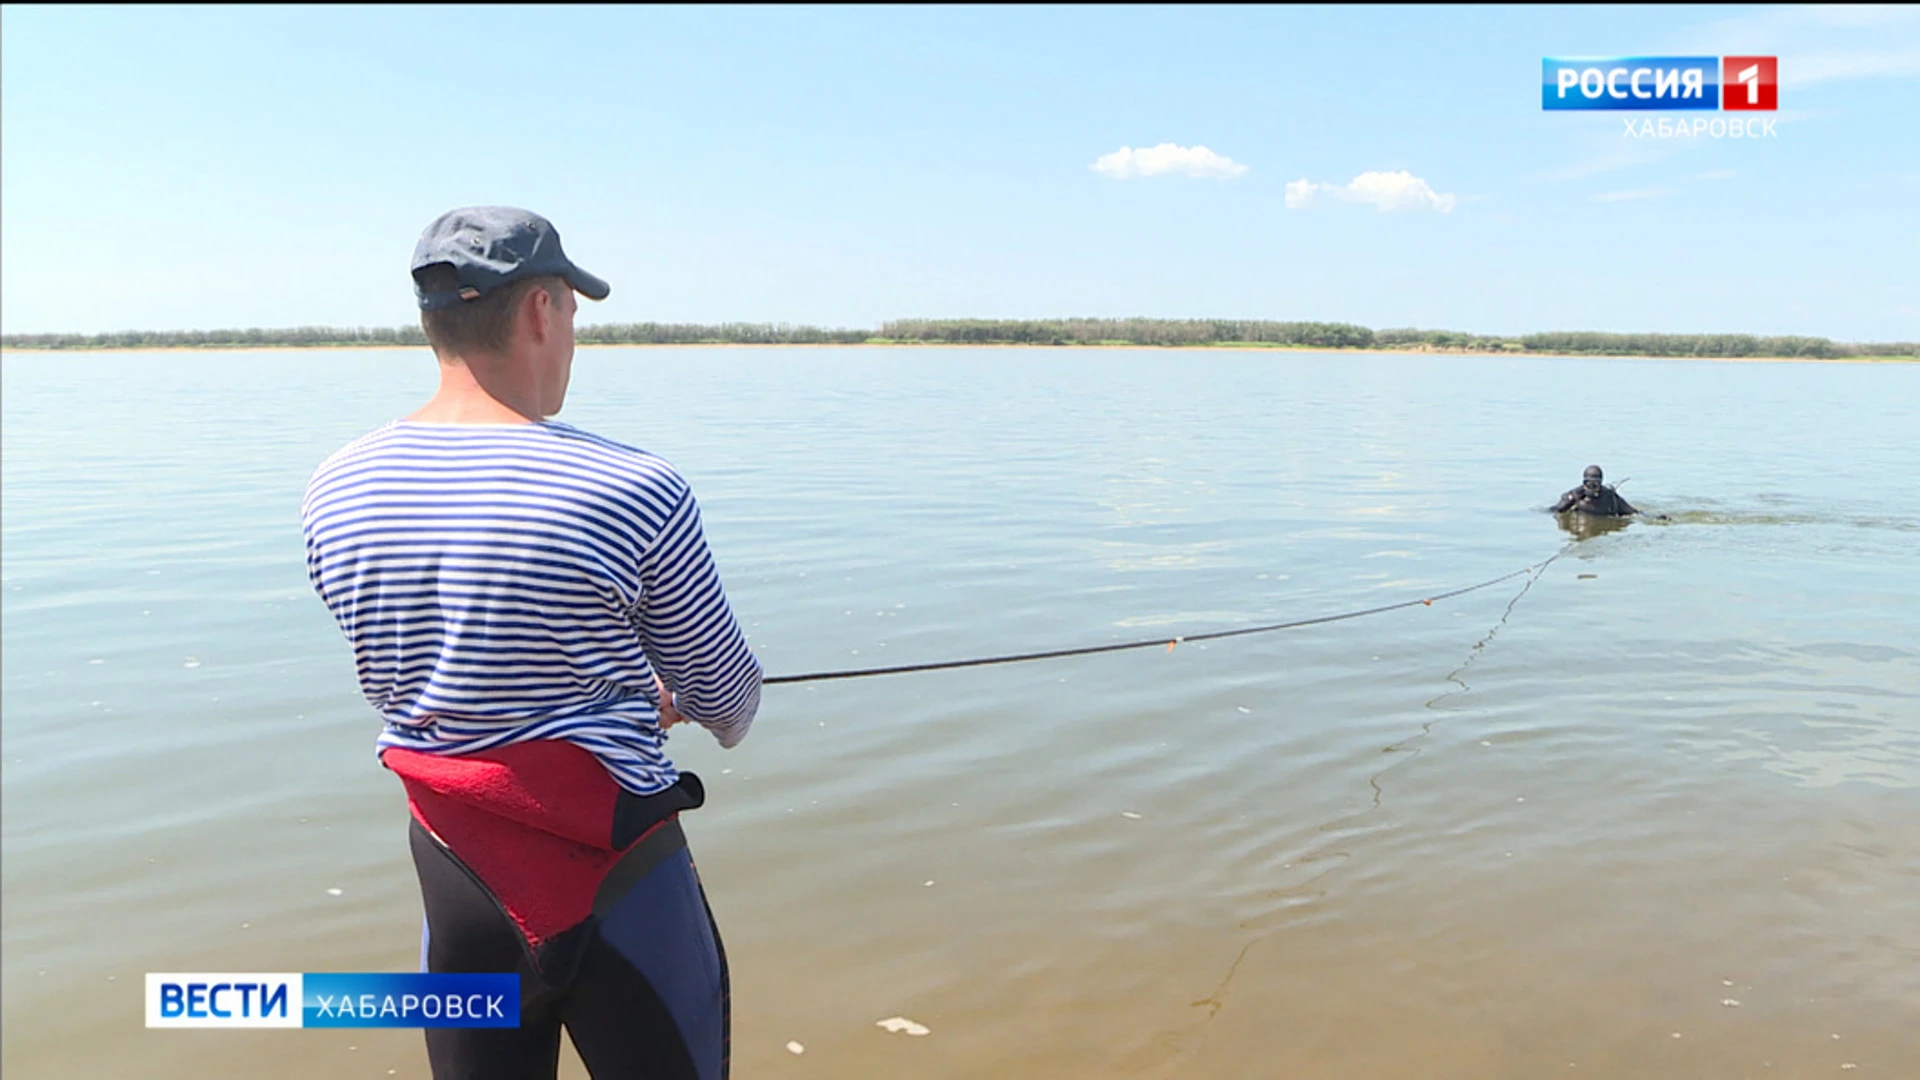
column 199, row 168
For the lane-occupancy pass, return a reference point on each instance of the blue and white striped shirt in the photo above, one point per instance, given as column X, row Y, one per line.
column 507, row 582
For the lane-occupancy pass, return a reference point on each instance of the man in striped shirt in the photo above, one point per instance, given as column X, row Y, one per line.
column 530, row 608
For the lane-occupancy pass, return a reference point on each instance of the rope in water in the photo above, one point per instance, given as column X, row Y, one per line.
column 1168, row 643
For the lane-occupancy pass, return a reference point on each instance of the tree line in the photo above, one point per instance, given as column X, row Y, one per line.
column 717, row 334
column 294, row 337
column 1145, row 332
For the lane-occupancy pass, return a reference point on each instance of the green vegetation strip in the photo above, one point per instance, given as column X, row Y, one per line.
column 1134, row 332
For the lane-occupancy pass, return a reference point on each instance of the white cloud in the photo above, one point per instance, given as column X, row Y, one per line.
column 1127, row 163
column 1382, row 190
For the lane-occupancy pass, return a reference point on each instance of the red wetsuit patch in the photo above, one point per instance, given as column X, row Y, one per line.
column 535, row 821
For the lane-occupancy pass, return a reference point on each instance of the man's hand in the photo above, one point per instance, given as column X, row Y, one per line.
column 669, row 715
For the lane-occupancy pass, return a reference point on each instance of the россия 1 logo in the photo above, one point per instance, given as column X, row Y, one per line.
column 1637, row 83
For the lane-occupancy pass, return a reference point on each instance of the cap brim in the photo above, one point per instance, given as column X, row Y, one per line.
column 587, row 285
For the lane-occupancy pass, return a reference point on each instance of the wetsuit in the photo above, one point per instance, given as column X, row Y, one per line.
column 511, row 592
column 532, row 861
column 1607, row 503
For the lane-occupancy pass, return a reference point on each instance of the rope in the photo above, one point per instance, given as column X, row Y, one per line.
column 1168, row 643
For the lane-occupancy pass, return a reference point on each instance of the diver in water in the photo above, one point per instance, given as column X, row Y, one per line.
column 1594, row 497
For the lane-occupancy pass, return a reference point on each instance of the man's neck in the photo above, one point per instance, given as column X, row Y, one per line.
column 462, row 399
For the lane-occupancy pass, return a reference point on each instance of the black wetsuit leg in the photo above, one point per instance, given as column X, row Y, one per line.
column 642, row 990
column 652, row 998
column 467, row 931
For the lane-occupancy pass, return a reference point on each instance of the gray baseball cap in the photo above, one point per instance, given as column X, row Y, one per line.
column 467, row 253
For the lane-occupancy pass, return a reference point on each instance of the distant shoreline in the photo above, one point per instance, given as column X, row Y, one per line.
column 1101, row 346
column 1075, row 333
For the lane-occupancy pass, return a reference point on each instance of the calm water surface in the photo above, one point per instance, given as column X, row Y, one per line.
column 1654, row 812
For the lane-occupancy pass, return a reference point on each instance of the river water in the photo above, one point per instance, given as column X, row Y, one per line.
column 1652, row 811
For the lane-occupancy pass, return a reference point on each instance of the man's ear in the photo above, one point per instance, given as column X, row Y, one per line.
column 540, row 314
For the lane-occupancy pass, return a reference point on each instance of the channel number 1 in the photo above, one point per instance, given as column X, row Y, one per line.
column 1751, row 76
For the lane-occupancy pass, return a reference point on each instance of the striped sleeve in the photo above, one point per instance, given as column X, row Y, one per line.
column 689, row 631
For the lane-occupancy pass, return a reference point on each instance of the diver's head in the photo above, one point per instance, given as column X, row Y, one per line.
column 1591, row 478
